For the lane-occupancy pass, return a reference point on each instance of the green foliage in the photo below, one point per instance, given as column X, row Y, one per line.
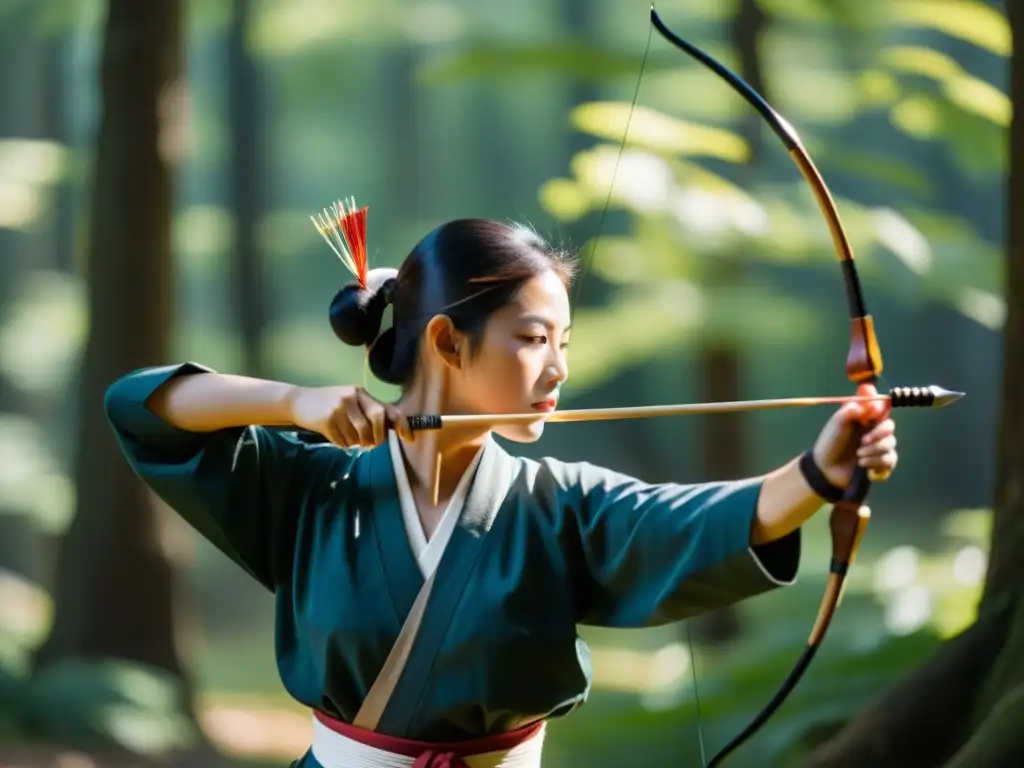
column 13, row 665
column 109, row 704
column 735, row 686
column 970, row 20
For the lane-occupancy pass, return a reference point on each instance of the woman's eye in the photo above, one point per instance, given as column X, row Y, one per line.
column 536, row 339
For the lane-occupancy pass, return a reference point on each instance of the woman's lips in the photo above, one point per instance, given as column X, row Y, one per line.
column 545, row 406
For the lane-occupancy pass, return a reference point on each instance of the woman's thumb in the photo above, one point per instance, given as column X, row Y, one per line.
column 850, row 413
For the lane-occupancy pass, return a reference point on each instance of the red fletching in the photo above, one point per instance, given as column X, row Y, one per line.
column 343, row 227
column 353, row 225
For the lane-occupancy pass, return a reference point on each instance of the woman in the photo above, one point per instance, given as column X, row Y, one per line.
column 354, row 534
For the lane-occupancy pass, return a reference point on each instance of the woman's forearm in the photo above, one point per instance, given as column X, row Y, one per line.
column 206, row 402
column 785, row 503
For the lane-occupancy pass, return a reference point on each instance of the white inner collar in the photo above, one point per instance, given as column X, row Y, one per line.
column 428, row 553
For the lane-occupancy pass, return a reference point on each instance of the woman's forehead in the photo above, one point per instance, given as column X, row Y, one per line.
column 543, row 296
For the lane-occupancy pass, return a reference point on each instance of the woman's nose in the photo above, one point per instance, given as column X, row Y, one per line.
column 559, row 370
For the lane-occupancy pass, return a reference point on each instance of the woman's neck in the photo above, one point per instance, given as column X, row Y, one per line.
column 456, row 447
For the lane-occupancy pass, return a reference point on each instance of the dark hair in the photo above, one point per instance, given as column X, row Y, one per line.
column 465, row 269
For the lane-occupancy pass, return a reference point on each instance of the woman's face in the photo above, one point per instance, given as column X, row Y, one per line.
column 520, row 362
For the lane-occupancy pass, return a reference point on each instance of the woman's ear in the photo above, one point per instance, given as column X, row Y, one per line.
column 446, row 341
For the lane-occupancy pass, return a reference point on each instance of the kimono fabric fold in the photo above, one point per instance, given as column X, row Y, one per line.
column 339, row 745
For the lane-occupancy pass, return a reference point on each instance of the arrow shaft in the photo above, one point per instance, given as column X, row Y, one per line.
column 649, row 411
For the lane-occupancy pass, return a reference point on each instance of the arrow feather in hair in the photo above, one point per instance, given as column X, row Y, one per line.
column 343, row 227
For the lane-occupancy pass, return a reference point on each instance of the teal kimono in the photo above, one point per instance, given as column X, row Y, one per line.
column 540, row 547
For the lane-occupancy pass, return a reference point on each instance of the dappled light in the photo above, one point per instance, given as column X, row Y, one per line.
column 970, row 20
column 27, row 169
column 43, row 330
column 896, row 569
column 707, row 213
column 984, row 307
column 970, row 93
column 641, row 672
column 969, row 566
column 659, row 132
column 904, row 241
column 908, row 610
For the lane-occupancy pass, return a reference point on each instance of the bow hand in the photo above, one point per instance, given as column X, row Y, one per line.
column 858, row 435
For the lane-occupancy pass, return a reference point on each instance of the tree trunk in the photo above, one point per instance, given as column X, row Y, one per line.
column 114, row 594
column 248, row 185
column 964, row 706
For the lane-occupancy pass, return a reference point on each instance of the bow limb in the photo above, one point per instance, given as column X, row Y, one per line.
column 850, row 516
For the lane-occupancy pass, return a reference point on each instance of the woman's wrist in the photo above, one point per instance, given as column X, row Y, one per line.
column 823, row 484
column 785, row 503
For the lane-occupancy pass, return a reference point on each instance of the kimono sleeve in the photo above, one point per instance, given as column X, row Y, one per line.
column 659, row 553
column 240, row 488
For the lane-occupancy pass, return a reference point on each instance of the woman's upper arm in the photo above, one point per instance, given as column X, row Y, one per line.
column 241, row 488
column 657, row 553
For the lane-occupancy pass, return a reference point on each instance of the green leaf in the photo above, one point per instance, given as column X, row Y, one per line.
column 972, row 94
column 919, row 60
column 978, row 144
column 637, row 180
column 658, row 132
column 565, row 199
column 980, row 98
column 876, row 88
column 852, row 14
column 974, row 22
column 918, row 116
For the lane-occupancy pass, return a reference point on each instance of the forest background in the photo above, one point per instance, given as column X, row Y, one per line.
column 159, row 163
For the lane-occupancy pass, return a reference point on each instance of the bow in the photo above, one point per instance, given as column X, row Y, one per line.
column 849, row 517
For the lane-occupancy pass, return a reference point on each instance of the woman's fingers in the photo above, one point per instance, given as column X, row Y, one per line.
column 332, row 432
column 400, row 423
column 879, row 432
column 376, row 416
column 880, row 447
column 358, row 421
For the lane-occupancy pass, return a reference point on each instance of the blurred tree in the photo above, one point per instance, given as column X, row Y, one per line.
column 114, row 592
column 19, row 119
column 963, row 707
column 248, row 188
column 726, row 451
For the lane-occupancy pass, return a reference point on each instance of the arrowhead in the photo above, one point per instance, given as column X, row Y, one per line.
column 944, row 397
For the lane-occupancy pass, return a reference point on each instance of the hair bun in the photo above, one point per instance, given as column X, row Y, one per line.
column 382, row 357
column 356, row 312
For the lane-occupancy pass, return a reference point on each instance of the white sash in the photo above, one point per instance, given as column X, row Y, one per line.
column 334, row 750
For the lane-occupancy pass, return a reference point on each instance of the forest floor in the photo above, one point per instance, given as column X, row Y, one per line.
column 248, row 736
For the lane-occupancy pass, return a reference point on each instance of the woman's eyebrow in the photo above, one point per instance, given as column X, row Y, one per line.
column 542, row 320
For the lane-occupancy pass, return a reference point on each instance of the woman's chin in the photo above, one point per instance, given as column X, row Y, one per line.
column 522, row 433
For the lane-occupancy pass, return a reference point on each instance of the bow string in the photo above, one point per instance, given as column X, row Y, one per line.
column 850, row 516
